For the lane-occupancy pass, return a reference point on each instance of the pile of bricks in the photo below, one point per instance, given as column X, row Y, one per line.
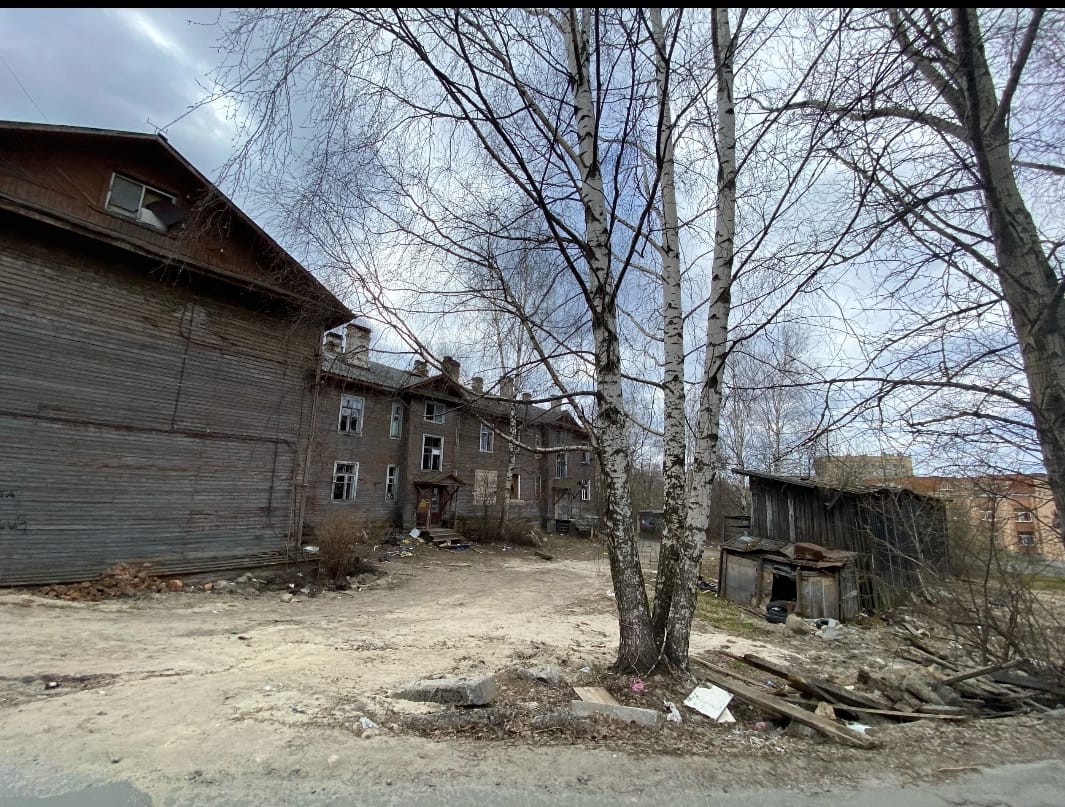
column 121, row 580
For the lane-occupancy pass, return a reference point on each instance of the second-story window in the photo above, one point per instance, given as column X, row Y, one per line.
column 432, row 452
column 135, row 200
column 395, row 424
column 434, row 411
column 351, row 414
column 586, row 457
column 561, row 465
column 1024, row 516
column 487, row 438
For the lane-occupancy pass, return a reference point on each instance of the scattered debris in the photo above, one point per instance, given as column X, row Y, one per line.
column 674, row 713
column 638, row 685
column 797, row 625
column 544, row 556
column 712, row 702
column 456, row 690
column 121, row 580
column 597, row 701
column 782, row 707
column 548, row 673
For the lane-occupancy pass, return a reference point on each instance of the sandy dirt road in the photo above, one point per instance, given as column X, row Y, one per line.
column 209, row 698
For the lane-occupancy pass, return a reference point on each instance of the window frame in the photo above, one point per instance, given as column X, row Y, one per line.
column 585, row 486
column 391, row 477
column 344, row 398
column 488, row 439
column 586, row 457
column 137, row 216
column 348, row 479
column 1023, row 516
column 395, row 421
column 439, row 410
column 514, row 490
column 561, row 465
column 439, row 453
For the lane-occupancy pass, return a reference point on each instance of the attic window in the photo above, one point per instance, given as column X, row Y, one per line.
column 135, row 200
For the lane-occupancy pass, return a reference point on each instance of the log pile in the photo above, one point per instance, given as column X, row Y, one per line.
column 937, row 689
column 121, row 580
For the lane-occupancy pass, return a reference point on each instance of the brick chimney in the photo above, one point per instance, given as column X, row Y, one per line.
column 506, row 387
column 420, row 367
column 333, row 344
column 477, row 384
column 526, row 397
column 451, row 367
column 357, row 346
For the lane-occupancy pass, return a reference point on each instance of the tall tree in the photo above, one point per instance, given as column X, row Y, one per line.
column 952, row 116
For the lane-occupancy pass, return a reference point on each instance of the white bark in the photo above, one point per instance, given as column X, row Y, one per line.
column 636, row 646
column 705, row 463
column 674, row 420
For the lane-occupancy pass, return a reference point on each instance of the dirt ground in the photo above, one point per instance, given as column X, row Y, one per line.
column 178, row 691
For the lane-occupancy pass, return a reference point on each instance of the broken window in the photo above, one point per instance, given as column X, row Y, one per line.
column 586, row 490
column 432, row 453
column 135, row 200
column 515, row 487
column 395, row 424
column 561, row 465
column 487, row 439
column 434, row 411
column 586, row 457
column 351, row 414
column 390, row 483
column 345, row 481
column 484, row 486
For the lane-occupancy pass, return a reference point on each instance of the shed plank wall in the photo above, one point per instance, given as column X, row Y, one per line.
column 139, row 420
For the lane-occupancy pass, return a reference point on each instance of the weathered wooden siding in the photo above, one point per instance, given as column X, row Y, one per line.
column 899, row 534
column 139, row 419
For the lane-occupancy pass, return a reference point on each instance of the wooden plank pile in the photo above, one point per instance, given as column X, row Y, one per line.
column 938, row 689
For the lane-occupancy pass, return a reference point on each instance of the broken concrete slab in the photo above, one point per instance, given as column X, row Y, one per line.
column 548, row 673
column 453, row 690
column 711, row 701
column 628, row 714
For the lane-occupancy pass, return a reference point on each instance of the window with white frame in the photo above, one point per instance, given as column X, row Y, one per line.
column 345, row 481
column 432, row 452
column 135, row 200
column 351, row 414
column 390, row 483
column 487, row 439
column 434, row 411
column 561, row 465
column 515, row 487
column 1024, row 516
column 1026, row 538
column 586, row 490
column 586, row 457
column 395, row 423
column 989, row 515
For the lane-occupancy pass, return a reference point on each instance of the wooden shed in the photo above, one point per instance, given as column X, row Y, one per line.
column 900, row 536
column 813, row 581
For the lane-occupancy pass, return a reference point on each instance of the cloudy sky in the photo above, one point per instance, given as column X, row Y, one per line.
column 132, row 69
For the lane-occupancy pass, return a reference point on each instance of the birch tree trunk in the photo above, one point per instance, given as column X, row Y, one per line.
column 636, row 647
column 674, row 415
column 707, row 435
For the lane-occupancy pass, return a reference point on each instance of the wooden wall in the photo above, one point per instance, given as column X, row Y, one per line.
column 143, row 415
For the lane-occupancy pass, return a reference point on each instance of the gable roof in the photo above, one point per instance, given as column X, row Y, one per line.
column 304, row 283
column 440, row 385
